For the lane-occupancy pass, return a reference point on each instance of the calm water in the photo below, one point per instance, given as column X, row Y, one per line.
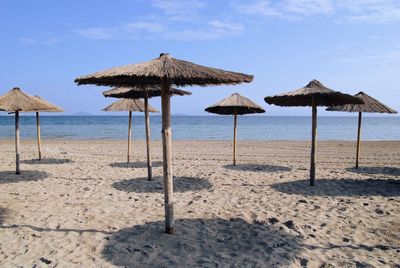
column 204, row 127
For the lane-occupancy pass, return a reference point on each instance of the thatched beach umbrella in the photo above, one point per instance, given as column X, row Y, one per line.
column 130, row 105
column 370, row 105
column 314, row 94
column 49, row 108
column 17, row 101
column 165, row 71
column 235, row 105
column 145, row 93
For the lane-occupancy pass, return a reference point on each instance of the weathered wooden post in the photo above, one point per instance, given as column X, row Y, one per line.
column 167, row 156
column 313, row 141
column 147, row 122
column 234, row 138
column 358, row 138
column 129, row 135
column 17, row 171
column 38, row 135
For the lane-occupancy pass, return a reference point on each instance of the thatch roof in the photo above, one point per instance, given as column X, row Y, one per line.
column 303, row 97
column 141, row 92
column 178, row 72
column 17, row 100
column 235, row 104
column 134, row 105
column 50, row 107
column 370, row 105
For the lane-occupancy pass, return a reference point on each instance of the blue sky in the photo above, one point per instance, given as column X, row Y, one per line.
column 349, row 45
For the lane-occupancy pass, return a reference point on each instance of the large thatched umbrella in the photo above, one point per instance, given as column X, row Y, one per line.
column 165, row 71
column 314, row 94
column 370, row 105
column 50, row 108
column 17, row 101
column 235, row 105
column 138, row 93
column 130, row 105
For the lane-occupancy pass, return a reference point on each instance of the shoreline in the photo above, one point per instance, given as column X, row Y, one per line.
column 44, row 139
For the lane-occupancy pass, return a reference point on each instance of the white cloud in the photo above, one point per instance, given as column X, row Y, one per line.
column 344, row 10
column 179, row 9
column 308, row 7
column 370, row 10
column 211, row 30
column 286, row 8
column 96, row 33
column 47, row 39
column 264, row 8
column 132, row 30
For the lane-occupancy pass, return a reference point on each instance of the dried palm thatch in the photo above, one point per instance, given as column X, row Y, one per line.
column 130, row 105
column 141, row 92
column 146, row 93
column 177, row 72
column 313, row 91
column 50, row 107
column 370, row 105
column 17, row 101
column 235, row 104
column 165, row 71
column 313, row 94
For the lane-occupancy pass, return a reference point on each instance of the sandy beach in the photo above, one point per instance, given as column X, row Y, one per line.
column 83, row 206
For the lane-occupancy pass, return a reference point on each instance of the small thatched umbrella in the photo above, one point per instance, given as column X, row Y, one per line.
column 145, row 93
column 235, row 105
column 370, row 105
column 50, row 108
column 17, row 101
column 165, row 71
column 314, row 94
column 130, row 105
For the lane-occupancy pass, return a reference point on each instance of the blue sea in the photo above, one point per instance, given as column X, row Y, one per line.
column 204, row 127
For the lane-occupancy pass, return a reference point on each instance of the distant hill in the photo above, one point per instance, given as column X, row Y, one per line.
column 81, row 113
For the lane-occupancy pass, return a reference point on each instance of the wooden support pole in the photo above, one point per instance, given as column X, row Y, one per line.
column 147, row 122
column 313, row 141
column 358, row 138
column 167, row 156
column 38, row 135
column 17, row 171
column 234, row 138
column 129, row 135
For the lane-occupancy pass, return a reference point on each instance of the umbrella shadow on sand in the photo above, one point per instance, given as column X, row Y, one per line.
column 47, row 161
column 26, row 175
column 143, row 185
column 202, row 243
column 138, row 164
column 341, row 187
column 258, row 168
column 394, row 171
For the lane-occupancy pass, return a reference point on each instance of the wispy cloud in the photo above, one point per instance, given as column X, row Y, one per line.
column 370, row 10
column 197, row 25
column 46, row 39
column 192, row 20
column 180, row 9
column 211, row 30
column 344, row 10
column 387, row 58
column 285, row 8
column 132, row 30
